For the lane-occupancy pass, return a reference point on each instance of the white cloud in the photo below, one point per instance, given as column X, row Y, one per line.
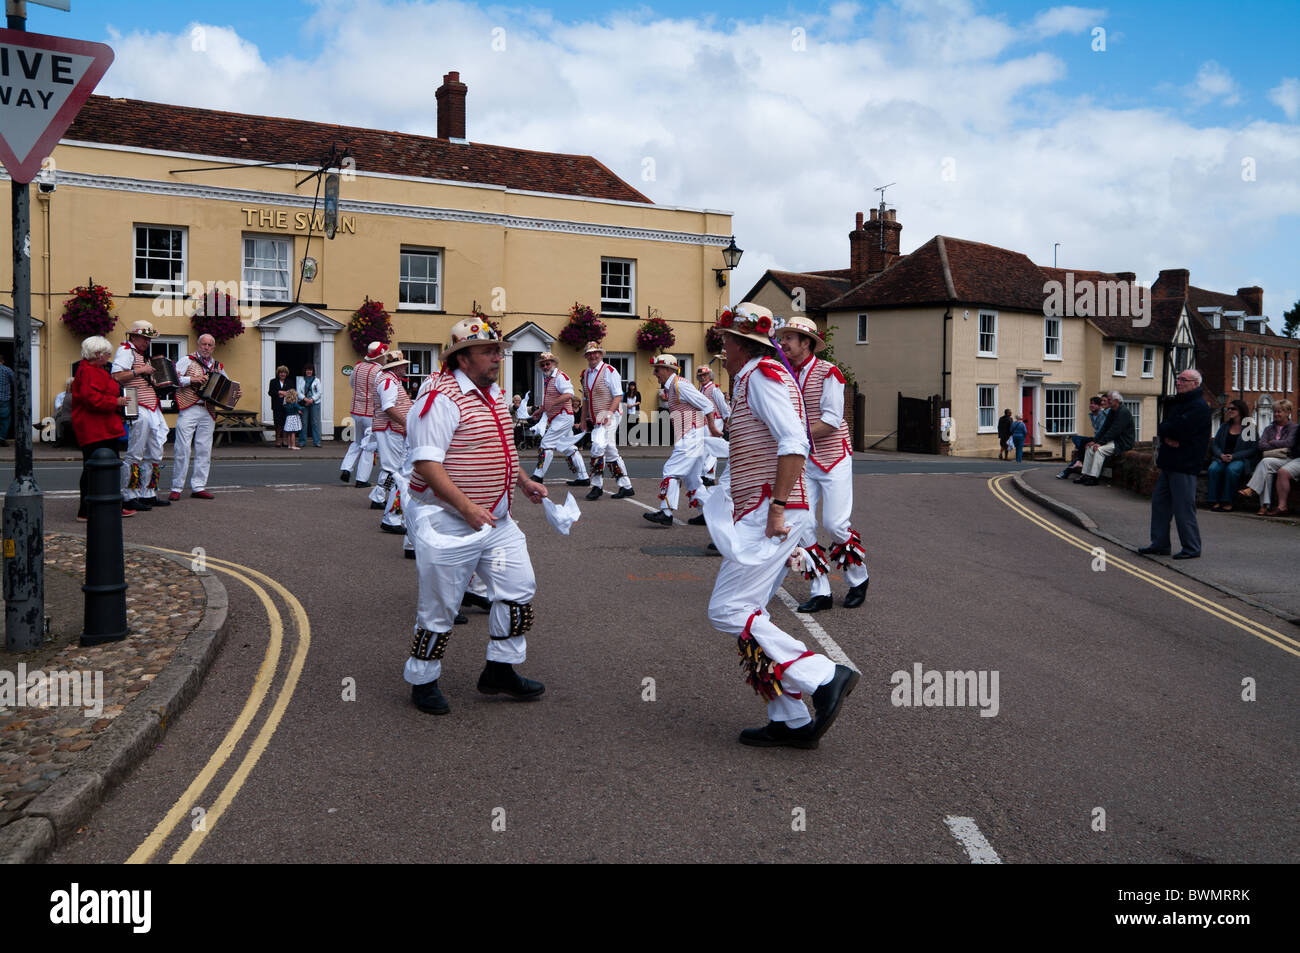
column 793, row 141
column 1286, row 96
column 1213, row 82
column 1059, row 20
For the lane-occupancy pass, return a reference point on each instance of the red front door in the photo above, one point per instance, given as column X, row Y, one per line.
column 1027, row 411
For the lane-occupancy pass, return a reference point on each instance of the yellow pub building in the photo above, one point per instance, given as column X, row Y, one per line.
column 165, row 204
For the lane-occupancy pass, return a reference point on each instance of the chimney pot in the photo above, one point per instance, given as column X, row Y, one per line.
column 451, row 107
column 875, row 214
column 859, row 221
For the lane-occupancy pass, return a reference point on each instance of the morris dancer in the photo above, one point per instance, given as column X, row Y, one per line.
column 466, row 468
column 829, row 469
column 602, row 389
column 689, row 410
column 389, row 429
column 148, row 436
column 768, row 504
column 361, row 451
column 721, row 411
column 557, row 390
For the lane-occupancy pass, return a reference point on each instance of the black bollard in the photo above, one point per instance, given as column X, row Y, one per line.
column 105, row 588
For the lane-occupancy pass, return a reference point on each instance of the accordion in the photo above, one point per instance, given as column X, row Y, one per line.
column 220, row 390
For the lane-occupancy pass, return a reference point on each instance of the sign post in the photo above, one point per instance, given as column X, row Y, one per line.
column 44, row 81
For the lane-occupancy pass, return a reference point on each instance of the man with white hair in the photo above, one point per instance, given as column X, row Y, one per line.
column 144, row 446
column 1183, row 437
column 1116, row 437
column 195, row 421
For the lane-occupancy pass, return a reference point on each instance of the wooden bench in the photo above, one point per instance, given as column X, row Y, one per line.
column 232, row 422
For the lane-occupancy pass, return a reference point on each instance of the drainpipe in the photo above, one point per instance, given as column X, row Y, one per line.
column 943, row 368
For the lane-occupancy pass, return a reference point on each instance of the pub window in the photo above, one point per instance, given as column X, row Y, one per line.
column 266, row 268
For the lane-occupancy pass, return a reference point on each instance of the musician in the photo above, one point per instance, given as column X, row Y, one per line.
column 769, row 505
column 466, row 468
column 148, row 436
column 362, row 450
column 196, row 420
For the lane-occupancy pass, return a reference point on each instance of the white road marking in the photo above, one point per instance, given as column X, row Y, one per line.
column 296, row 489
column 964, row 829
column 815, row 629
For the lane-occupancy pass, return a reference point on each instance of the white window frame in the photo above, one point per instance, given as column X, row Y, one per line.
column 1236, row 372
column 611, row 305
column 1069, row 401
column 1121, row 360
column 686, row 366
column 1048, row 353
column 171, row 286
column 1148, row 362
column 1134, row 408
column 980, row 334
column 1290, row 374
column 862, row 329
column 263, row 292
column 435, row 282
column 992, row 408
column 416, row 378
column 628, row 361
column 1254, row 373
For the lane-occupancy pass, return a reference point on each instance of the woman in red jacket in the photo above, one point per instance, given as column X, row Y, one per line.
column 96, row 408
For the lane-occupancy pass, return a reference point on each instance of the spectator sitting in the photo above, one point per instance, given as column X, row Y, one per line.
column 63, row 435
column 1116, row 436
column 1274, row 446
column 1290, row 470
column 1097, row 414
column 1232, row 455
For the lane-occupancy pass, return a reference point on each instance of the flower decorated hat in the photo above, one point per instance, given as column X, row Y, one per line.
column 144, row 329
column 469, row 332
column 748, row 320
column 375, row 350
column 664, row 360
column 805, row 327
column 593, row 348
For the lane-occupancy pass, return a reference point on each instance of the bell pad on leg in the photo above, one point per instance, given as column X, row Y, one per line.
column 429, row 646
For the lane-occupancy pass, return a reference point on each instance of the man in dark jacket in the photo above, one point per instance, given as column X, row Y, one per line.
column 1184, row 435
column 1116, row 437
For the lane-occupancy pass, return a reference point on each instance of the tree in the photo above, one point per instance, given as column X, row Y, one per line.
column 1291, row 321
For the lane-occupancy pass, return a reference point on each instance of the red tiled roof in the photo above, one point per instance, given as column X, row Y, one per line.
column 210, row 132
column 818, row 287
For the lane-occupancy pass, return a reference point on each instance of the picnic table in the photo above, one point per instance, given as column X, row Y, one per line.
column 232, row 422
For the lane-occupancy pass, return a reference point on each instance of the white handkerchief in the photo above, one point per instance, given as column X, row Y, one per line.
column 523, row 408
column 716, row 447
column 739, row 542
column 562, row 517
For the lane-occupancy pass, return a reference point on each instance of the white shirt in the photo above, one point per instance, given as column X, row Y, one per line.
column 388, row 388
column 124, row 359
column 832, row 408
column 430, row 436
column 562, row 383
column 615, row 379
column 769, row 401
column 688, row 394
column 719, row 402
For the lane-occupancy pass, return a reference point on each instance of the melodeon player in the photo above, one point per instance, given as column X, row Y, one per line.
column 144, row 448
column 196, row 422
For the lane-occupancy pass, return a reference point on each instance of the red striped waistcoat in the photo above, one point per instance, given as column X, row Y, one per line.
column 831, row 449
column 187, row 397
column 481, row 459
column 598, row 395
column 753, row 448
column 144, row 392
column 553, row 402
column 685, row 418
column 402, row 406
column 363, row 388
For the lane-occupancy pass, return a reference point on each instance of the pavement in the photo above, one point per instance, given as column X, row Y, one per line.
column 1248, row 557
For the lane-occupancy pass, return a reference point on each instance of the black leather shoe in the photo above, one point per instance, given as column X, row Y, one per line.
column 409, row 553
column 345, row 476
column 501, row 677
column 707, row 482
column 828, row 698
column 815, row 604
column 660, row 518
column 460, row 619
column 376, row 506
column 1088, row 481
column 158, row 501
column 360, row 485
column 697, row 520
column 623, row 493
column 428, row 698
column 1079, row 479
column 396, row 530
column 856, row 595
column 475, row 601
column 1186, row 555
column 596, row 493
column 137, row 505
column 1152, row 551
column 583, row 482
column 775, row 734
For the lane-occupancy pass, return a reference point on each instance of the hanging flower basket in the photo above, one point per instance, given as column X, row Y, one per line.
column 369, row 323
column 89, row 311
column 713, row 341
column 655, row 335
column 217, row 313
column 584, row 327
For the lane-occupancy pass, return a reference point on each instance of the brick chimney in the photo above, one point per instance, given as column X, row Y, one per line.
column 858, row 270
column 867, row 257
column 451, row 108
column 1254, row 298
column 1172, row 283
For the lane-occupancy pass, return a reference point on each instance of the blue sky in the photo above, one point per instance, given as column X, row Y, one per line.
column 1134, row 157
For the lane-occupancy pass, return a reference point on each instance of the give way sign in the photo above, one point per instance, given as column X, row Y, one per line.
column 44, row 82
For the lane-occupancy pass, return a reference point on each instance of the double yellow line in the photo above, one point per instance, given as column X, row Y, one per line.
column 1258, row 630
column 261, row 688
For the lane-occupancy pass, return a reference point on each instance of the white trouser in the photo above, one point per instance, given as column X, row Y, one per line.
column 143, row 458
column 499, row 557
column 604, row 452
column 559, row 438
column 1095, row 458
column 359, row 455
column 741, row 591
column 685, row 465
column 194, row 425
column 834, row 490
column 1261, row 481
column 396, row 478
